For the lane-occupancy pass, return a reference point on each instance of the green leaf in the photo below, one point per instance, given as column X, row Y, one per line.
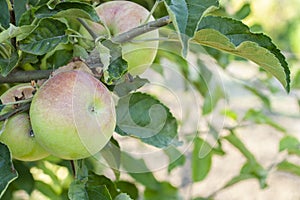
column 123, row 196
column 9, row 58
column 234, row 37
column 257, row 171
column 142, row 116
column 100, row 187
column 25, row 179
column 128, row 188
column 57, row 59
column 126, row 86
column 117, row 68
column 291, row 144
column 289, row 167
column 176, row 158
column 264, row 98
column 139, row 171
column 243, row 12
column 28, row 17
column 186, row 16
column 69, row 9
column 237, row 143
column 112, row 154
column 259, row 117
column 47, row 190
column 19, row 9
column 201, row 159
column 111, row 57
column 211, row 99
column 77, row 191
column 165, row 192
column 4, row 14
column 45, row 37
column 238, row 178
column 252, row 169
column 7, row 170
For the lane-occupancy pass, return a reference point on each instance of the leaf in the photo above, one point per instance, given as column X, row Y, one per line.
column 112, row 154
column 8, row 58
column 4, row 14
column 88, row 185
column 123, row 196
column 142, row 116
column 201, row 159
column 211, row 99
column 77, row 191
column 7, row 171
column 165, row 192
column 186, row 16
column 234, row 37
column 47, row 190
column 291, row 144
column 138, row 170
column 236, row 142
column 128, row 188
column 237, row 179
column 126, row 86
column 69, row 9
column 19, row 9
column 100, row 187
column 25, row 179
column 117, row 68
column 176, row 158
column 45, row 37
column 289, row 167
column 264, row 98
column 114, row 64
column 252, row 169
column 20, row 32
column 258, row 117
column 243, row 12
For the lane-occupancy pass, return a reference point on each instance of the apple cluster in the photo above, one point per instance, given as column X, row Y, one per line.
column 72, row 115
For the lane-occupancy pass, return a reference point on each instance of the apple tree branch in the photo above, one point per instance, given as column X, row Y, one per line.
column 27, row 76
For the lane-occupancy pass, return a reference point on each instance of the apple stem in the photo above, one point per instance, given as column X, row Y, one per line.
column 73, row 167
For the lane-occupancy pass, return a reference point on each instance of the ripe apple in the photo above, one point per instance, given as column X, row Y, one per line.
column 16, row 131
column 73, row 115
column 119, row 17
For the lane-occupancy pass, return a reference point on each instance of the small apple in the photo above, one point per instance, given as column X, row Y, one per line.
column 17, row 130
column 73, row 115
column 119, row 17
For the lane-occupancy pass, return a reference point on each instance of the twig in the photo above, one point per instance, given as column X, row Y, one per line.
column 25, row 76
column 22, row 108
column 150, row 26
column 87, row 27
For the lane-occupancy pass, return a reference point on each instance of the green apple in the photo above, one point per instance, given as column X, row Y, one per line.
column 73, row 115
column 17, row 130
column 119, row 17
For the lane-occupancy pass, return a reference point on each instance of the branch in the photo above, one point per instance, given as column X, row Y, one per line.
column 150, row 26
column 26, row 76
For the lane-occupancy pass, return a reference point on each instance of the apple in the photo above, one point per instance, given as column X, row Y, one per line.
column 17, row 130
column 73, row 115
column 119, row 17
